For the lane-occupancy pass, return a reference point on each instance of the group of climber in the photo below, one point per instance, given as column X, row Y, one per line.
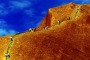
column 46, row 27
column 7, row 55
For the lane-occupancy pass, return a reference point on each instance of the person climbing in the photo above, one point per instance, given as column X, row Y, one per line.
column 11, row 38
column 68, row 18
column 7, row 55
column 32, row 29
column 58, row 22
column 46, row 28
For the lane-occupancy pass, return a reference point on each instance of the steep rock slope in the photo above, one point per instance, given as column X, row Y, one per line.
column 60, row 13
column 69, row 40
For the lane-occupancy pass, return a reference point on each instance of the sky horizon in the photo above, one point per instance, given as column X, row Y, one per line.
column 20, row 15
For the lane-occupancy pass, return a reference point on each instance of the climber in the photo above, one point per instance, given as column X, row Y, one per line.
column 32, row 29
column 7, row 55
column 11, row 38
column 58, row 22
column 45, row 28
column 68, row 18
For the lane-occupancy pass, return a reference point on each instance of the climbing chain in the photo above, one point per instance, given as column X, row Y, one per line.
column 77, row 10
column 7, row 54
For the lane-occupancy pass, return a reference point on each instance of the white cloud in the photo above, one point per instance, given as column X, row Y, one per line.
column 12, row 31
column 30, row 12
column 3, row 11
column 86, row 1
column 6, row 32
column 12, row 6
column 5, row 28
column 82, row 1
column 3, row 32
column 43, row 12
column 20, row 4
column 2, row 21
column 3, row 24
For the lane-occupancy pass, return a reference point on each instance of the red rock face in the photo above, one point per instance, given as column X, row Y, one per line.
column 46, row 21
column 66, row 12
column 60, row 13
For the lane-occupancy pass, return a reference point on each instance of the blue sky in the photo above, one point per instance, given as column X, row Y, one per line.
column 20, row 15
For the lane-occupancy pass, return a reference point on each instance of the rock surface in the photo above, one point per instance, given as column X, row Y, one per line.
column 69, row 40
